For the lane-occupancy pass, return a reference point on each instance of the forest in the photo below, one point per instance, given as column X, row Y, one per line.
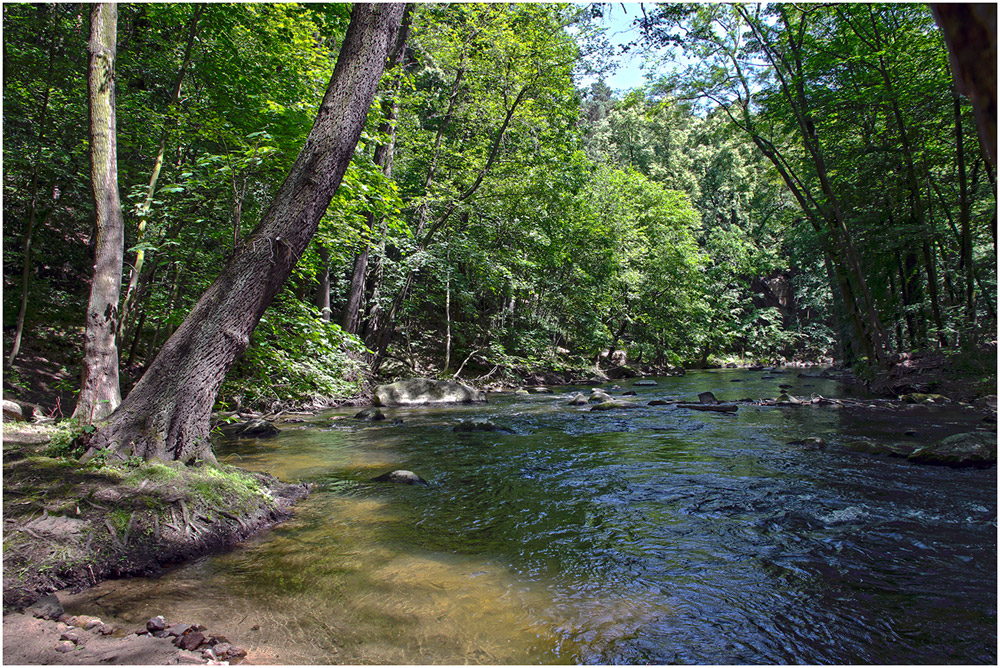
column 216, row 210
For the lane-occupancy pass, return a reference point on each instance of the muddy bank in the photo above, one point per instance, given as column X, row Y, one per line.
column 68, row 526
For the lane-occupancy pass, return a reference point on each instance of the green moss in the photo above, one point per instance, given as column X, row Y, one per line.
column 227, row 486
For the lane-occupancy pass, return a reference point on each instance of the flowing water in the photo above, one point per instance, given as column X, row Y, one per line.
column 652, row 535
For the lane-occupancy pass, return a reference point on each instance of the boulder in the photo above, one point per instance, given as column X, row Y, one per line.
column 256, row 428
column 401, row 477
column 707, row 398
column 418, row 391
column 645, row 383
column 371, row 414
column 977, row 448
column 599, row 395
column 12, row 412
column 619, row 372
column 578, row 400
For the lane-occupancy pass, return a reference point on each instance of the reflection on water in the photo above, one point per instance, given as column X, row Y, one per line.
column 653, row 535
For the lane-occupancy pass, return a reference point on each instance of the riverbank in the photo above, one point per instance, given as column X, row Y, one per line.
column 68, row 526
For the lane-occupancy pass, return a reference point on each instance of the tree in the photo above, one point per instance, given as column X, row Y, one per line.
column 166, row 416
column 99, row 391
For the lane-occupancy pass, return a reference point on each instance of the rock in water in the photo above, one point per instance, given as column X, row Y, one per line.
column 401, row 477
column 417, row 391
column 478, row 424
column 578, row 400
column 708, row 398
column 256, row 428
column 370, row 414
column 810, row 443
column 975, row 448
column 645, row 383
column 599, row 395
column 611, row 404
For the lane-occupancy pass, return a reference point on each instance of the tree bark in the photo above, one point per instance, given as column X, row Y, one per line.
column 99, row 389
column 166, row 416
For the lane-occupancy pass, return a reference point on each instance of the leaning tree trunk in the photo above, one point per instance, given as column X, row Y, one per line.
column 166, row 416
column 99, row 391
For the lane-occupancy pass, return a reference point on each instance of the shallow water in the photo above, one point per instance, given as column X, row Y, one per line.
column 653, row 535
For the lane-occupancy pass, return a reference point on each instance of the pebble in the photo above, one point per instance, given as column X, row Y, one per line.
column 156, row 624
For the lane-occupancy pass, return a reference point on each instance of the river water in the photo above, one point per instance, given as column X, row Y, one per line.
column 650, row 535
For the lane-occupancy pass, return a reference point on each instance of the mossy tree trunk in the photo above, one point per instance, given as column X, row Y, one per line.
column 166, row 416
column 99, row 390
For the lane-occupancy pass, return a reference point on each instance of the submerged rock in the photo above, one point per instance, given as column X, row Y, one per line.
column 810, row 443
column 418, row 391
column 612, row 404
column 479, row 424
column 401, row 477
column 658, row 402
column 645, row 383
column 977, row 448
column 370, row 414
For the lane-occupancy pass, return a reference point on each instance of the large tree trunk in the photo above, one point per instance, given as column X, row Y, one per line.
column 166, row 416
column 99, row 391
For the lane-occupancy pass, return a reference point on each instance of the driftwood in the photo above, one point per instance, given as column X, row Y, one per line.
column 718, row 408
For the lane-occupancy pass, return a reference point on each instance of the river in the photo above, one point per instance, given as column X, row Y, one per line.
column 649, row 535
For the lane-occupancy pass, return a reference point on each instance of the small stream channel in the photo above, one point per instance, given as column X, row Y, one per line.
column 652, row 535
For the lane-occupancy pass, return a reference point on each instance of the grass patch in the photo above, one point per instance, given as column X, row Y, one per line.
column 228, row 486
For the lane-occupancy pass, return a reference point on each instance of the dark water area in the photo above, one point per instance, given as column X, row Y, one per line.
column 648, row 535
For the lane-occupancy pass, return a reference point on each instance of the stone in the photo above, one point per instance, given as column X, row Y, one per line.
column 730, row 365
column 178, row 629
column 658, row 402
column 521, row 391
column 419, row 391
column 58, row 525
column 810, row 443
column 478, row 424
column 401, row 477
column 785, row 386
column 256, row 428
column 64, row 646
column 191, row 641
column 630, row 393
column 72, row 635
column 599, row 395
column 578, row 400
column 12, row 412
column 707, row 398
column 156, row 624
column 612, row 404
column 645, row 383
column 47, row 607
column 619, row 372
column 103, row 629
column 972, row 449
column 371, row 414
column 543, row 390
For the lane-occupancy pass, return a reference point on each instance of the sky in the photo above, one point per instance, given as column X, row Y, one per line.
column 619, row 19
